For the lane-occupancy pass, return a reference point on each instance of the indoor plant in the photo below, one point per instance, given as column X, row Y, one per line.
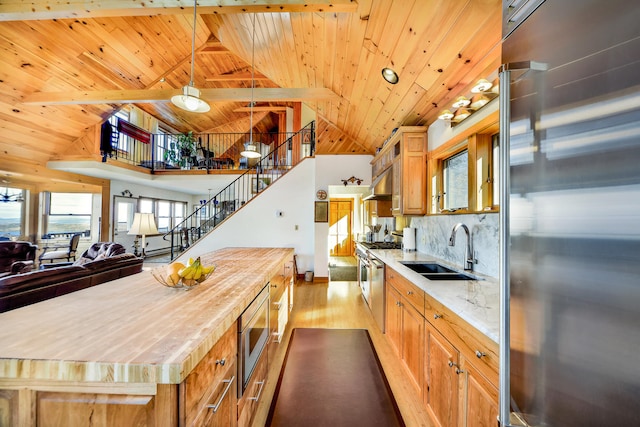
column 182, row 150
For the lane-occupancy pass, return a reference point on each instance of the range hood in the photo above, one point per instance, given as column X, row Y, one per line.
column 382, row 187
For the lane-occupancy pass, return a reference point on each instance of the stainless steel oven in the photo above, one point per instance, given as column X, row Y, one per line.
column 363, row 274
column 253, row 333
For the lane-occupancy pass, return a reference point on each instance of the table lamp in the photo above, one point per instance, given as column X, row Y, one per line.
column 143, row 224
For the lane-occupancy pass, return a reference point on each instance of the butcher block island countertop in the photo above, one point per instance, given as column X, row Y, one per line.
column 133, row 330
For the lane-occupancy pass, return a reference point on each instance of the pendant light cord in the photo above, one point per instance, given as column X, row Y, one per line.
column 253, row 45
column 193, row 40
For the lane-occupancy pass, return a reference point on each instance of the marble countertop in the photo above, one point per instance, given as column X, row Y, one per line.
column 476, row 301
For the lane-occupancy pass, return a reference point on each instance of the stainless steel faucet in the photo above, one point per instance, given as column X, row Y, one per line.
column 469, row 259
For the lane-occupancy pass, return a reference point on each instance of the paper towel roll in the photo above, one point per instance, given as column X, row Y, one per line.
column 409, row 239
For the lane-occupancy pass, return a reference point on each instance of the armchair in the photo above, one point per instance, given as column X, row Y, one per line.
column 16, row 257
column 61, row 252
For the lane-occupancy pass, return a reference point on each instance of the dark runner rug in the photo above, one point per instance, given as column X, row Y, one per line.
column 346, row 273
column 332, row 377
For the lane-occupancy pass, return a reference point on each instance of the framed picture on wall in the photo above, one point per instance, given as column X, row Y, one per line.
column 321, row 212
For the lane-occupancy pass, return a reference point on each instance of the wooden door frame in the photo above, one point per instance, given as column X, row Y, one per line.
column 351, row 203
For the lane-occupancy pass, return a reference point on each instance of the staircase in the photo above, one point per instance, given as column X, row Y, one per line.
column 235, row 196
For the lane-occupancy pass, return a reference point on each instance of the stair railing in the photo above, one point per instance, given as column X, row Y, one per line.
column 248, row 185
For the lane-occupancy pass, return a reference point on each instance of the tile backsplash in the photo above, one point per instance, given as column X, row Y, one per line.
column 432, row 238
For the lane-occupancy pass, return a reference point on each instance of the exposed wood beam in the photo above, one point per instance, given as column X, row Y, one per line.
column 15, row 10
column 245, row 75
column 261, row 108
column 142, row 96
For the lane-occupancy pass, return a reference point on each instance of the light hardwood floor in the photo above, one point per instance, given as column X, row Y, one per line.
column 340, row 305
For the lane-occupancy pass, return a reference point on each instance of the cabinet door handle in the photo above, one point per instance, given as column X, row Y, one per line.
column 221, row 362
column 437, row 316
column 452, row 364
column 215, row 407
column 261, row 384
column 459, row 371
column 409, row 292
column 479, row 354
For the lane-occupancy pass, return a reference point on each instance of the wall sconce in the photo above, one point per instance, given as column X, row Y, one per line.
column 478, row 101
column 461, row 114
column 460, row 102
column 352, row 180
column 482, row 85
column 445, row 115
column 464, row 106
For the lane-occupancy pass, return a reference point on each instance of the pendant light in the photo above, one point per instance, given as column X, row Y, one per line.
column 251, row 150
column 190, row 98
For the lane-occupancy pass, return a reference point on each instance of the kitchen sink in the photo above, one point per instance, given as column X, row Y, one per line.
column 427, row 267
column 435, row 271
column 448, row 276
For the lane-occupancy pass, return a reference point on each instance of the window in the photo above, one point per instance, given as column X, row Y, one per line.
column 69, row 213
column 123, row 140
column 464, row 172
column 456, row 181
column 11, row 214
column 167, row 213
column 164, row 216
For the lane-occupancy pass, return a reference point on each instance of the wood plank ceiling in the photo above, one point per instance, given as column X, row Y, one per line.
column 438, row 47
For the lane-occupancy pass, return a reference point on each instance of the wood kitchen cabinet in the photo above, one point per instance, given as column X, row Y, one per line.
column 441, row 378
column 406, row 153
column 405, row 324
column 480, row 396
column 461, row 370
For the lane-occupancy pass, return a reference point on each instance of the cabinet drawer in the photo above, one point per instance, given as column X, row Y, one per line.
column 221, row 409
column 472, row 343
column 409, row 291
column 248, row 403
column 202, row 382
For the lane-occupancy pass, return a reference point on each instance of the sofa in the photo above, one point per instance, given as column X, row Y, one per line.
column 100, row 263
column 16, row 257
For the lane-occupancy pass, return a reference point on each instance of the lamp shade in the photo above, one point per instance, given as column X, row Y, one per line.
column 143, row 224
column 251, row 151
column 190, row 100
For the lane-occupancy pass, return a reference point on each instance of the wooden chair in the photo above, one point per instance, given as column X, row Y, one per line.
column 52, row 253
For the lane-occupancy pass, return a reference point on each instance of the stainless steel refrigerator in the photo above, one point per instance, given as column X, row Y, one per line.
column 570, row 214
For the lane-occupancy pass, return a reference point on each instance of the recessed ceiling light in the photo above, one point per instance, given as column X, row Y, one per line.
column 389, row 75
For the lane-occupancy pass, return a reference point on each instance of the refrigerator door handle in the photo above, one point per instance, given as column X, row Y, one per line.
column 505, row 116
column 506, row 78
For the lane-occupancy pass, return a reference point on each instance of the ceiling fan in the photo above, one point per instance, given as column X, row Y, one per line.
column 14, row 197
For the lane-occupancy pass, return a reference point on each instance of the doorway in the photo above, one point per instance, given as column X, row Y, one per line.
column 340, row 225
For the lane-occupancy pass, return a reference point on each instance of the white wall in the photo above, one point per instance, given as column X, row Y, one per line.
column 153, row 242
column 256, row 224
column 330, row 171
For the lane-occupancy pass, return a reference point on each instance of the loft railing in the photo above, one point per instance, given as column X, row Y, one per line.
column 252, row 182
column 213, row 151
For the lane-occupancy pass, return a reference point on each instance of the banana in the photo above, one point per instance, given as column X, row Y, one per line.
column 187, row 272
column 198, row 271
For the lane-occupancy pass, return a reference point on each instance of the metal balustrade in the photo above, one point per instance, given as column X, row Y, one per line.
column 213, row 151
column 252, row 182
